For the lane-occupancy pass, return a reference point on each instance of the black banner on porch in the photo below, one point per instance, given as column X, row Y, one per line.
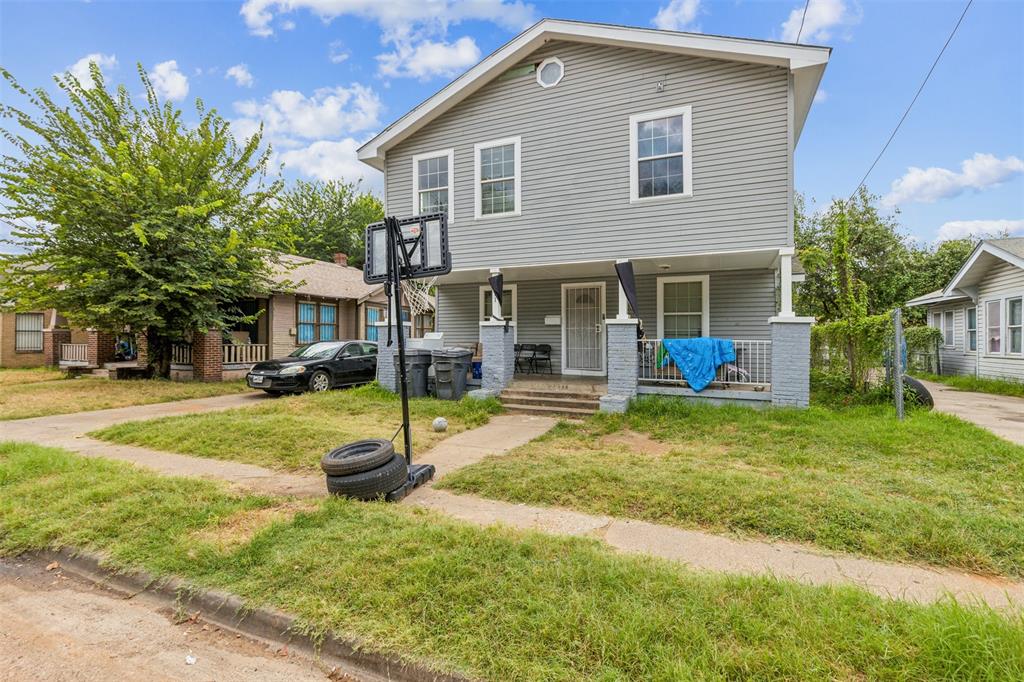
column 497, row 283
column 628, row 281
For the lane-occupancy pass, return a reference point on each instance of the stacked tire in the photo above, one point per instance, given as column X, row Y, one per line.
column 365, row 469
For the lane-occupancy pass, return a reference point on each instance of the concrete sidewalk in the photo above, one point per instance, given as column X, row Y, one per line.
column 1002, row 415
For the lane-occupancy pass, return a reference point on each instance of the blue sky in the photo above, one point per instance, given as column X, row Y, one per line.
column 324, row 75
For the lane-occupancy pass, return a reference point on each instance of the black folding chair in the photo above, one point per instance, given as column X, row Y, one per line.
column 542, row 357
column 524, row 356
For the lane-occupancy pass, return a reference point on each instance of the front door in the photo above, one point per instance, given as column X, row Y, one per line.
column 583, row 343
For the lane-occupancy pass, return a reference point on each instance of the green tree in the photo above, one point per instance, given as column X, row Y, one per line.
column 131, row 219
column 326, row 218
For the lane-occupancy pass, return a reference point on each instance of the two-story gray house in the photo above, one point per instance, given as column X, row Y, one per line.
column 578, row 145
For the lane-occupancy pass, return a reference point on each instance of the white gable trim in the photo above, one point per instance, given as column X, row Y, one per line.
column 983, row 247
column 807, row 62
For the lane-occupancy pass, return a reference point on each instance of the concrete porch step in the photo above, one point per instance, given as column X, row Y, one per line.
column 586, row 396
column 549, row 411
column 583, row 402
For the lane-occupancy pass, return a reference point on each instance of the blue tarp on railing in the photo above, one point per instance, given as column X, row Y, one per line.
column 698, row 359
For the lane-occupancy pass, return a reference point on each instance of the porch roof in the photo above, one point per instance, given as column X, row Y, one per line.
column 761, row 259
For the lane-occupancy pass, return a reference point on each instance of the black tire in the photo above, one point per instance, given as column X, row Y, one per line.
column 371, row 484
column 922, row 396
column 355, row 458
column 320, row 381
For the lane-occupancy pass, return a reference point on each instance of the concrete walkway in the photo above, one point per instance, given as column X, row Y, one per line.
column 503, row 433
column 1002, row 415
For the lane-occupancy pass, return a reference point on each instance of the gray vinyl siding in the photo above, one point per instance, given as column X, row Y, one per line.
column 956, row 359
column 740, row 303
column 575, row 160
column 1003, row 280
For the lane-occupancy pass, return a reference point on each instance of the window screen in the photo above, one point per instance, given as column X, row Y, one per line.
column 660, row 156
column 683, row 314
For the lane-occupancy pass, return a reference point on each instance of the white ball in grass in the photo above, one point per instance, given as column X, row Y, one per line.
column 440, row 424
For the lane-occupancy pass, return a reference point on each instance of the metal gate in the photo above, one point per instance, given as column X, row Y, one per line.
column 583, row 340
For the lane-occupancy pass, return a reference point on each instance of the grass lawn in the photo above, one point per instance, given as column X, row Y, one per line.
column 41, row 398
column 933, row 489
column 491, row 603
column 28, row 375
column 978, row 384
column 293, row 432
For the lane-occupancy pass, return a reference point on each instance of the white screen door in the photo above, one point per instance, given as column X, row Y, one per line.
column 583, row 312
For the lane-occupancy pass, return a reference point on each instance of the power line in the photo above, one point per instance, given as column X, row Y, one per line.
column 802, row 20
column 916, row 95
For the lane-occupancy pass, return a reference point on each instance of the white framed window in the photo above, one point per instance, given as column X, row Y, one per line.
column 683, row 307
column 550, row 72
column 947, row 329
column 509, row 303
column 433, row 182
column 28, row 332
column 993, row 327
column 661, row 155
column 971, row 326
column 497, row 171
column 1014, row 327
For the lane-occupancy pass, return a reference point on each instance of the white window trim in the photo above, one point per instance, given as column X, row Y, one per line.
column 517, row 155
column 705, row 302
column 634, row 181
column 952, row 329
column 450, row 153
column 967, row 330
column 1002, row 327
column 485, row 290
column 1007, row 348
column 561, row 75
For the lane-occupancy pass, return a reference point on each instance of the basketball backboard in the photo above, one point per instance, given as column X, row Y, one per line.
column 426, row 242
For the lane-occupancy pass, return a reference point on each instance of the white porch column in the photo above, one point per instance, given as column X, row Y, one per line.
column 786, row 282
column 623, row 313
column 496, row 311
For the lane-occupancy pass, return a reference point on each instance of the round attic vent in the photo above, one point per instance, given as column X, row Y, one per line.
column 550, row 72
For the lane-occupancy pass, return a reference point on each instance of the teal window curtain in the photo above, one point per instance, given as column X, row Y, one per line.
column 328, row 322
column 307, row 323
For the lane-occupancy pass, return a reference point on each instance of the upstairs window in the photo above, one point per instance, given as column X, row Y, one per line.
column 972, row 329
column 661, row 160
column 497, row 170
column 433, row 177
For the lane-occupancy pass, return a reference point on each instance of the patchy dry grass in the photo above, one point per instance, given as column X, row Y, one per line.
column 84, row 394
column 932, row 489
column 491, row 603
column 979, row 384
column 31, row 375
column 293, row 432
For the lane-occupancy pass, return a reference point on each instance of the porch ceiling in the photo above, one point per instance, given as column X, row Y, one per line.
column 647, row 265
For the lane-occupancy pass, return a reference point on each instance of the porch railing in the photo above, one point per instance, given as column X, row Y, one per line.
column 181, row 354
column 753, row 365
column 74, row 352
column 244, row 353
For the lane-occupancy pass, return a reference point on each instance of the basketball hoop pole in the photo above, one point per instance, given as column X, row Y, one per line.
column 394, row 240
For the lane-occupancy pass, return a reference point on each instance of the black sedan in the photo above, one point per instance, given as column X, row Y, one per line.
column 317, row 367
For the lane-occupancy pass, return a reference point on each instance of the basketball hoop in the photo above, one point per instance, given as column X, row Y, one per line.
column 417, row 295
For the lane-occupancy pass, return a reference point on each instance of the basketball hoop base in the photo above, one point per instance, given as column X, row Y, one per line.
column 418, row 475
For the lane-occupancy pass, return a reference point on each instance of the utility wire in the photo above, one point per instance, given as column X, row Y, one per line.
column 916, row 95
column 802, row 20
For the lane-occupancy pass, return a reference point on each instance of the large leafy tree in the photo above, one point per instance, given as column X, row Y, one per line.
column 328, row 217
column 130, row 218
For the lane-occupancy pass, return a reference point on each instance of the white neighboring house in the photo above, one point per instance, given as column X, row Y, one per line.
column 981, row 313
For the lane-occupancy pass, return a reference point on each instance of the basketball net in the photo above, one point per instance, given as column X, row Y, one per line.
column 417, row 295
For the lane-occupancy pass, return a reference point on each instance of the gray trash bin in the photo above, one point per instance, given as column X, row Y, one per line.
column 451, row 365
column 417, row 364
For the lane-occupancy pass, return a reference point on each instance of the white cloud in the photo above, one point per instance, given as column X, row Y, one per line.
column 328, row 112
column 823, row 18
column 240, row 72
column 168, row 81
column 331, row 160
column 927, row 185
column 961, row 229
column 677, row 15
column 337, row 52
column 820, row 96
column 80, row 69
column 287, row 25
column 428, row 58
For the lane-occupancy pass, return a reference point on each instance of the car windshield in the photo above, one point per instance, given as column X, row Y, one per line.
column 317, row 350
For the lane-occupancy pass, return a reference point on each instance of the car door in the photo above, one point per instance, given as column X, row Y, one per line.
column 369, row 361
column 348, row 364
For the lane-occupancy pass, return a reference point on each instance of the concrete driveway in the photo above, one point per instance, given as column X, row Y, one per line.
column 1000, row 414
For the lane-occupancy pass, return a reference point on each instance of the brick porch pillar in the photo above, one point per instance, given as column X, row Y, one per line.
column 52, row 339
column 623, row 364
column 499, row 358
column 100, row 347
column 791, row 360
column 208, row 355
column 142, row 348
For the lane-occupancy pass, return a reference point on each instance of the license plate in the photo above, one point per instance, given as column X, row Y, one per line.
column 255, row 380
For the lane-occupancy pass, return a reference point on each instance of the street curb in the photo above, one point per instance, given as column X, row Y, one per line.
column 230, row 613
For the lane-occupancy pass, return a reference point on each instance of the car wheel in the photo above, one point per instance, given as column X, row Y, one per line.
column 371, row 484
column 319, row 382
column 355, row 458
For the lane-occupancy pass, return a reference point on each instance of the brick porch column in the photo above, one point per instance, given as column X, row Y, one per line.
column 623, row 364
column 52, row 338
column 791, row 360
column 142, row 348
column 387, row 357
column 208, row 355
column 100, row 347
column 499, row 357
